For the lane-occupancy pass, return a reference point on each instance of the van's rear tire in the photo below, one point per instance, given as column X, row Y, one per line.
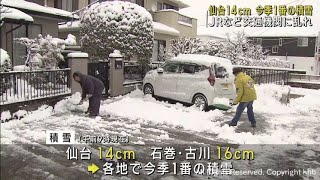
column 200, row 101
column 148, row 89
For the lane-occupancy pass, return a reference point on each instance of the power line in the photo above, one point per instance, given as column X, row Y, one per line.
column 282, row 44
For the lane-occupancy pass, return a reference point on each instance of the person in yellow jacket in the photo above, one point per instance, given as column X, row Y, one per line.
column 246, row 94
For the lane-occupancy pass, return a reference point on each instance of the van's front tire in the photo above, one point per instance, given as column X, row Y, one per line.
column 200, row 101
column 148, row 89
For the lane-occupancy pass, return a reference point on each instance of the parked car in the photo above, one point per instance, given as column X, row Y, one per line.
column 194, row 79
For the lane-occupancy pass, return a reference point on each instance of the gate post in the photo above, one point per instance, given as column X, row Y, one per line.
column 116, row 74
column 77, row 61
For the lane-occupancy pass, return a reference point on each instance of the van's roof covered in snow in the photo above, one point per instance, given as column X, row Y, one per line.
column 201, row 59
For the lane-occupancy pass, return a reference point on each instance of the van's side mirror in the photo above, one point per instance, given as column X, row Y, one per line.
column 160, row 70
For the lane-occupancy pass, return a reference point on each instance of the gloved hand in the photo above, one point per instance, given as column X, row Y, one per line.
column 81, row 102
column 88, row 96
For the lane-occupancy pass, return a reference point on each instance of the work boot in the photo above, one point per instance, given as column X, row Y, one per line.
column 88, row 111
column 92, row 115
column 232, row 124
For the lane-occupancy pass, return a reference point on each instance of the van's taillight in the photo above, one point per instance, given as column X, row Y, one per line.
column 211, row 78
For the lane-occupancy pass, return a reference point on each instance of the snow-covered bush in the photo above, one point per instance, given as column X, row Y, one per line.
column 50, row 51
column 5, row 62
column 124, row 26
column 5, row 65
column 186, row 45
column 71, row 40
column 43, row 52
column 241, row 51
column 162, row 53
column 237, row 48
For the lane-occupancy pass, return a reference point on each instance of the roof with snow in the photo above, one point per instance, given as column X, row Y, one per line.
column 203, row 59
column 157, row 27
column 12, row 14
column 29, row 8
column 210, row 33
column 180, row 3
column 164, row 29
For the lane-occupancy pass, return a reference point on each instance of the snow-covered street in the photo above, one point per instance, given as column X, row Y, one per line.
column 297, row 122
column 147, row 121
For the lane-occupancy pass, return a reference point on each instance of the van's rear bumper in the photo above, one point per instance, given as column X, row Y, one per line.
column 231, row 98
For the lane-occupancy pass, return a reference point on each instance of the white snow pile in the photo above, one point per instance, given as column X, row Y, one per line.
column 147, row 110
column 20, row 114
column 162, row 28
column 71, row 40
column 5, row 116
column 12, row 13
column 295, row 123
column 22, row 4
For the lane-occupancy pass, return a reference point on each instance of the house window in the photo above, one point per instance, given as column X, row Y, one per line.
column 91, row 1
column 302, row 42
column 275, row 49
column 67, row 5
column 58, row 4
column 159, row 6
column 140, row 2
column 280, row 42
column 168, row 6
column 162, row 6
column 19, row 51
column 34, row 30
column 257, row 41
column 156, row 48
column 40, row 2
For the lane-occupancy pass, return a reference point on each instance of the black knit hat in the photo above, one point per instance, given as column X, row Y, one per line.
column 77, row 73
column 236, row 70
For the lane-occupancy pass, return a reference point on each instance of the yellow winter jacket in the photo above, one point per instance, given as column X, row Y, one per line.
column 245, row 88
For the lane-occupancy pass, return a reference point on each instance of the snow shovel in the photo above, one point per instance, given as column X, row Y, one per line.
column 223, row 107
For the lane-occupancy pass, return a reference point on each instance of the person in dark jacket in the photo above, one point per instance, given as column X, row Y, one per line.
column 91, row 90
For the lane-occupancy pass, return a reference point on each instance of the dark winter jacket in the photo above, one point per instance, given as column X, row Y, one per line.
column 90, row 85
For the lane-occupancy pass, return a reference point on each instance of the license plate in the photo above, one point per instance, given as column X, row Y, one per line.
column 226, row 86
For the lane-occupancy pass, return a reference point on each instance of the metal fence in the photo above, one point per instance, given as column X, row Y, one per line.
column 266, row 75
column 30, row 85
column 135, row 72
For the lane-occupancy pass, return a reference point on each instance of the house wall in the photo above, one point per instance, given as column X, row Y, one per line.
column 289, row 47
column 173, row 21
column 308, row 64
column 49, row 26
column 164, row 37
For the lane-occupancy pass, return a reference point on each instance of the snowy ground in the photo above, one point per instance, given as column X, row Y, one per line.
column 151, row 122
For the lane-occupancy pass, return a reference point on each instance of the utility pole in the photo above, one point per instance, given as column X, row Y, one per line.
column 318, row 44
column 317, row 55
